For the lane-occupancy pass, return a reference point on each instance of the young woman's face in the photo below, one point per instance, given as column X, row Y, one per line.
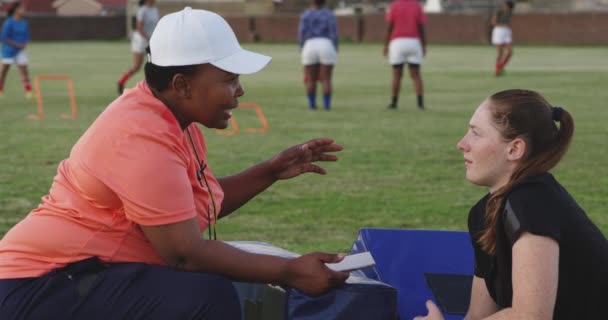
column 20, row 11
column 485, row 151
column 213, row 94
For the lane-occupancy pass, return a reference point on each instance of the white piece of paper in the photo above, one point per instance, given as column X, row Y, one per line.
column 353, row 262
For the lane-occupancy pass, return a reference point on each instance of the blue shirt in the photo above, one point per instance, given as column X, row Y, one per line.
column 318, row 24
column 16, row 30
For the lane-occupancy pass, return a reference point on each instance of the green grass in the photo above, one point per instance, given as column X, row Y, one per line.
column 399, row 169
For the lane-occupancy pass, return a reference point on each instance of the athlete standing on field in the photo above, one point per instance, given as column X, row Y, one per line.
column 147, row 18
column 14, row 37
column 405, row 42
column 502, row 36
column 318, row 36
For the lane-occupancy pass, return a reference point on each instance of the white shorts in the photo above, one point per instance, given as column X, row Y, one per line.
column 319, row 50
column 138, row 43
column 402, row 50
column 501, row 35
column 20, row 59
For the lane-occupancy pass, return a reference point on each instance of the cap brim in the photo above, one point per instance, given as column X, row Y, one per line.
column 243, row 62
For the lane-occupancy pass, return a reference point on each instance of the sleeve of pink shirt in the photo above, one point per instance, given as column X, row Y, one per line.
column 149, row 175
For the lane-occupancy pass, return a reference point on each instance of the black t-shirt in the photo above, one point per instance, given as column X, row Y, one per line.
column 541, row 206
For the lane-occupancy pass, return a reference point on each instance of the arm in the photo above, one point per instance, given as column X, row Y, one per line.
column 181, row 246
column 5, row 36
column 493, row 20
column 242, row 187
column 5, row 31
column 482, row 304
column 139, row 24
column 333, row 29
column 140, row 28
column 387, row 38
column 301, row 30
column 14, row 44
column 422, row 34
column 535, row 277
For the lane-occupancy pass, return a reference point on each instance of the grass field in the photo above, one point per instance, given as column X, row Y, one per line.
column 399, row 169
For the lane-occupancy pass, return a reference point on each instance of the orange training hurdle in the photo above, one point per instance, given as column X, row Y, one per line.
column 37, row 80
column 235, row 126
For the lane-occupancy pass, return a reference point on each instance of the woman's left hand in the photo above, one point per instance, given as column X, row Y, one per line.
column 434, row 312
column 299, row 159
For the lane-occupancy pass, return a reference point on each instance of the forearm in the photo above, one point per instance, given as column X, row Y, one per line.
column 301, row 34
column 510, row 313
column 11, row 43
column 242, row 187
column 140, row 29
column 334, row 34
column 422, row 34
column 220, row 258
column 181, row 246
column 387, row 37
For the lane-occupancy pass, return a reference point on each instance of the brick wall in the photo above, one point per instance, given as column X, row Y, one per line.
column 280, row 28
column 76, row 28
column 471, row 28
column 533, row 28
column 582, row 28
column 242, row 27
column 556, row 28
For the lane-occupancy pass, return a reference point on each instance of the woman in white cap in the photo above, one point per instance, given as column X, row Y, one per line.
column 119, row 234
column 145, row 21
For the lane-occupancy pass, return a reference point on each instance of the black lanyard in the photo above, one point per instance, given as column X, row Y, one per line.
column 200, row 176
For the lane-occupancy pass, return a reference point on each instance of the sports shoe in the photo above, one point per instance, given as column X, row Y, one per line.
column 1, row 94
column 29, row 95
column 392, row 106
column 121, row 88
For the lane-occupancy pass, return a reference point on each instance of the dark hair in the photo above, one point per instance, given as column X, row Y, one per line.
column 141, row 2
column 11, row 10
column 510, row 4
column 527, row 115
column 319, row 3
column 159, row 77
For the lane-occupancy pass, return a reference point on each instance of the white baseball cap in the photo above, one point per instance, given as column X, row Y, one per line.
column 191, row 37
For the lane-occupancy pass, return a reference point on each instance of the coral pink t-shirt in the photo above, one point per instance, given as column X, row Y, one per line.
column 133, row 166
column 405, row 15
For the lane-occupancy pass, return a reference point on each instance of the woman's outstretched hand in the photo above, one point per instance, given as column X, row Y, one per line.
column 299, row 159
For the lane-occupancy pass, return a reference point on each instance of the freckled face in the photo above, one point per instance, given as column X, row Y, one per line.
column 485, row 151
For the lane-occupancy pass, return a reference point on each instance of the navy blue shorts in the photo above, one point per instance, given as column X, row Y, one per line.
column 92, row 290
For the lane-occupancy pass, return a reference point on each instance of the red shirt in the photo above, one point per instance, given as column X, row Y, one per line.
column 405, row 15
